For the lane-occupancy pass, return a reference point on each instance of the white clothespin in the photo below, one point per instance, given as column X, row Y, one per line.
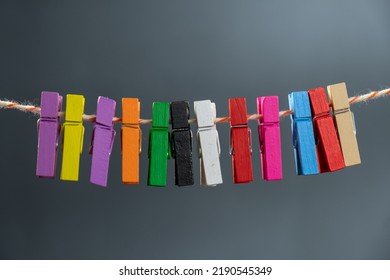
column 209, row 149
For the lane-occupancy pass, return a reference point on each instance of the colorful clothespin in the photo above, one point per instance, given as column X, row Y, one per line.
column 131, row 137
column 159, row 148
column 269, row 137
column 182, row 143
column 240, row 141
column 49, row 128
column 345, row 123
column 73, row 137
column 303, row 136
column 103, row 136
column 208, row 143
column 329, row 153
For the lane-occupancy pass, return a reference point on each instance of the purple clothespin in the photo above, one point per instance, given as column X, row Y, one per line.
column 49, row 127
column 102, row 140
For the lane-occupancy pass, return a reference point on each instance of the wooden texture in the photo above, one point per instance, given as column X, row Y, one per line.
column 182, row 143
column 49, row 127
column 330, row 157
column 208, row 143
column 159, row 148
column 345, row 124
column 130, row 140
column 103, row 136
column 269, row 138
column 240, row 141
column 73, row 137
column 303, row 135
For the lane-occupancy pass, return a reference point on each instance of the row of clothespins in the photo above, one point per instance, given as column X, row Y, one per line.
column 324, row 138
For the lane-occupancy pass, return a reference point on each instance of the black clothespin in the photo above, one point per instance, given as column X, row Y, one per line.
column 182, row 143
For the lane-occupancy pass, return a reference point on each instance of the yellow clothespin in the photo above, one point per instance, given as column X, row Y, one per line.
column 73, row 137
column 345, row 123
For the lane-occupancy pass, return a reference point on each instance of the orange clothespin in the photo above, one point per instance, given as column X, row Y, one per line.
column 131, row 136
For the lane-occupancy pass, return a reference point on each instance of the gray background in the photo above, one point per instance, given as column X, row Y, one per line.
column 194, row 50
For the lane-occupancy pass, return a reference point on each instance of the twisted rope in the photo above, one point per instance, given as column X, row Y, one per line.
column 5, row 104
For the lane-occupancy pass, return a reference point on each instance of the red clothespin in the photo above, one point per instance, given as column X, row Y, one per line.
column 269, row 138
column 240, row 141
column 329, row 155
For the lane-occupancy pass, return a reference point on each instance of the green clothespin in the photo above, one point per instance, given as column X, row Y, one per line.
column 159, row 145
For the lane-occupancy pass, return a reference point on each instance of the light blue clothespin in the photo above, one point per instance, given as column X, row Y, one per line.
column 303, row 136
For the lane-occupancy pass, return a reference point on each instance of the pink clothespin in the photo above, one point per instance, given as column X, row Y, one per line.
column 269, row 137
column 102, row 140
column 48, row 133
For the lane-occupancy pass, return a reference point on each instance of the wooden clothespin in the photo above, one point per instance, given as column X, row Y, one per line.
column 208, row 143
column 269, row 137
column 159, row 148
column 303, row 136
column 103, row 136
column 182, row 143
column 131, row 140
column 49, row 128
column 329, row 153
column 240, row 141
column 345, row 123
column 73, row 137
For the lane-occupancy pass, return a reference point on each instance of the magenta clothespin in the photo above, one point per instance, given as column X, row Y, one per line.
column 49, row 128
column 102, row 140
column 269, row 137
